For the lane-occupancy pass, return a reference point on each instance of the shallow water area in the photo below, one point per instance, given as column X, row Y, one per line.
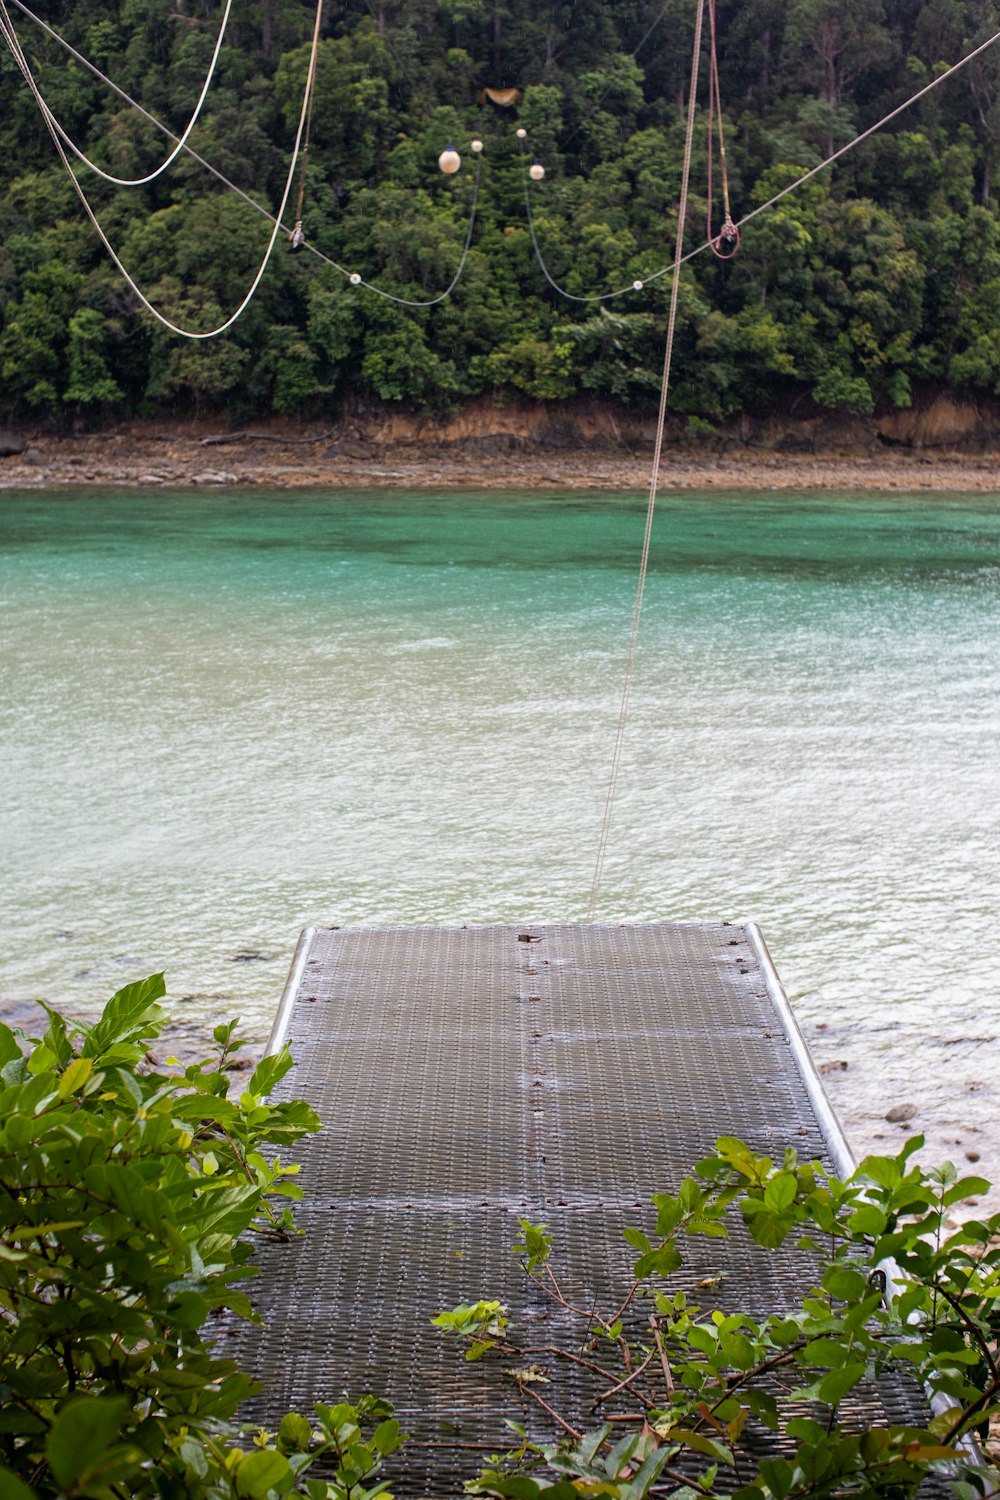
column 227, row 715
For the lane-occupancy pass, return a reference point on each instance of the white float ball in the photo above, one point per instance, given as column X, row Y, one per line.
column 522, row 134
column 449, row 161
column 477, row 146
column 637, row 286
column 536, row 172
column 355, row 279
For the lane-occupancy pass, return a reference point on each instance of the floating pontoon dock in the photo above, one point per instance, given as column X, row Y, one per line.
column 468, row 1076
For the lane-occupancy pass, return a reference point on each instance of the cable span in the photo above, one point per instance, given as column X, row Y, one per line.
column 661, row 420
column 353, row 278
column 433, row 301
column 6, row 30
column 181, row 140
column 725, row 244
column 633, row 286
column 738, row 224
column 871, row 130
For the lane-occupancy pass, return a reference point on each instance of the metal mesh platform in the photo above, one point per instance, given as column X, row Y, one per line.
column 466, row 1076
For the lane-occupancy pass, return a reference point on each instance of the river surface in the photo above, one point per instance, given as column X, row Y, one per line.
column 225, row 716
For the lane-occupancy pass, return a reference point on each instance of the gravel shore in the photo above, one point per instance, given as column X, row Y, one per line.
column 309, row 460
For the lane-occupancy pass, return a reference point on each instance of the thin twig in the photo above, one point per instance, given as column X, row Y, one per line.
column 975, row 1331
column 555, row 1293
column 625, row 1305
column 597, row 1370
column 627, row 1382
column 530, row 1391
column 668, row 1379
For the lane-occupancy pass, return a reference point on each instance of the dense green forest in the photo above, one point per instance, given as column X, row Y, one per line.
column 877, row 278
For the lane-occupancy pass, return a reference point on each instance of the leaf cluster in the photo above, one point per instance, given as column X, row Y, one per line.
column 711, row 1400
column 130, row 1203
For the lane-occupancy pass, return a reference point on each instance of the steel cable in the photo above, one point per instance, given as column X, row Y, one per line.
column 6, row 30
column 252, row 202
column 661, row 420
column 181, row 140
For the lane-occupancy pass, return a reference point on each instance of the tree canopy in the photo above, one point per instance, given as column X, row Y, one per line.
column 876, row 277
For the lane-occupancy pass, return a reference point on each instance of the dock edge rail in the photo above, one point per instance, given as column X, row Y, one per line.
column 841, row 1155
column 282, row 1016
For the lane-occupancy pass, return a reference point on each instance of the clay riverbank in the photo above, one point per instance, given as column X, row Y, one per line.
column 484, row 452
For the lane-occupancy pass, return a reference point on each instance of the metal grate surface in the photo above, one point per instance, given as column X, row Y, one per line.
column 466, row 1076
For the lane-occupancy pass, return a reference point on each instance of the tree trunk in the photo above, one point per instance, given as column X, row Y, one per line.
column 765, row 66
column 550, row 52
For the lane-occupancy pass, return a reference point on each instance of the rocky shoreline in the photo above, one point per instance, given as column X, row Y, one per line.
column 349, row 457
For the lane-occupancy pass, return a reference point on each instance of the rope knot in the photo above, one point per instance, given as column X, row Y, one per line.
column 727, row 241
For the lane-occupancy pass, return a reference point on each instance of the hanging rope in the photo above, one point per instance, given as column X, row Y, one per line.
column 633, row 286
column 352, row 277
column 792, row 187
column 13, row 42
column 725, row 244
column 739, row 224
column 661, row 421
column 453, row 283
column 298, row 237
column 7, row 31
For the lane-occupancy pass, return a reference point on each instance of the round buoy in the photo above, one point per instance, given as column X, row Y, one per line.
column 536, row 171
column 522, row 134
column 477, row 146
column 637, row 286
column 355, row 279
column 449, row 161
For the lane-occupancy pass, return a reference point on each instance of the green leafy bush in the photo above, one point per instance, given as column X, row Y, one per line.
column 129, row 1204
column 130, row 1201
column 686, row 1396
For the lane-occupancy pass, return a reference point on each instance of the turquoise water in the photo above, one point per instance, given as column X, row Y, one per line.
column 225, row 716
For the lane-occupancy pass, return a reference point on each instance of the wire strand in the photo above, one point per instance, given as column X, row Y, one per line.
column 431, row 301
column 738, row 224
column 9, row 36
column 843, row 150
column 181, row 140
column 252, row 202
column 570, row 296
column 310, row 90
column 661, row 420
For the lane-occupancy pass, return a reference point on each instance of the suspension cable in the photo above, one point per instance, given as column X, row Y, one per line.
column 725, row 244
column 181, row 140
column 453, row 283
column 6, row 30
column 298, row 238
column 633, row 286
column 843, row 150
column 738, row 224
column 654, row 477
column 352, row 277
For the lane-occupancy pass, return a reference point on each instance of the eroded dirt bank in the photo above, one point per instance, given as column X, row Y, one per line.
column 938, row 444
